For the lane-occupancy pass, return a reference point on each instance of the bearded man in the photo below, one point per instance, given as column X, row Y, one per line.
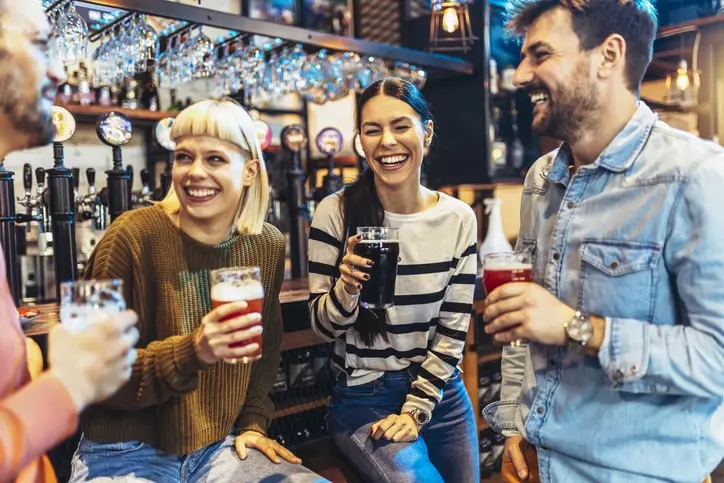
column 620, row 376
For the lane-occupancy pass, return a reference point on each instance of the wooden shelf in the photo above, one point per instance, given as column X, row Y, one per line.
column 299, row 339
column 94, row 112
column 689, row 26
column 488, row 358
column 301, row 407
column 348, row 161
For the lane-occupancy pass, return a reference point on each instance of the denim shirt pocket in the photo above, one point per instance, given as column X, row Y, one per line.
column 500, row 415
column 620, row 277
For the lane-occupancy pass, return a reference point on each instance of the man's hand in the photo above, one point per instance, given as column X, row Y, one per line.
column 512, row 454
column 396, row 427
column 525, row 310
column 272, row 449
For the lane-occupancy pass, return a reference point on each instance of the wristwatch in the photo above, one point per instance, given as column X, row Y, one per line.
column 579, row 329
column 421, row 417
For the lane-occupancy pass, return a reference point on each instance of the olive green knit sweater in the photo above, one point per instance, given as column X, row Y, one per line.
column 174, row 401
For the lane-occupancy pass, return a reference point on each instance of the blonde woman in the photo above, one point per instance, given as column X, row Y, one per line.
column 186, row 415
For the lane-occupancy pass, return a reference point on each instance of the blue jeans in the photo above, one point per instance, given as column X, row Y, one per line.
column 133, row 461
column 446, row 450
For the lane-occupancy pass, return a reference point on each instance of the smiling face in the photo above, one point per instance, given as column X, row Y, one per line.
column 209, row 176
column 558, row 76
column 28, row 76
column 393, row 138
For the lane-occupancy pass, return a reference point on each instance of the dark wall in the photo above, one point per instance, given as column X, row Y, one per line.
column 460, row 151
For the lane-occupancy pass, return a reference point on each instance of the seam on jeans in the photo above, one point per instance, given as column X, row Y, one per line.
column 361, row 446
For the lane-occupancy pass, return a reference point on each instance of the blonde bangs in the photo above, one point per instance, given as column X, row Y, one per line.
column 228, row 121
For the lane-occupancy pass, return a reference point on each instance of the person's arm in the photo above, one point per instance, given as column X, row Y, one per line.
column 447, row 346
column 164, row 368
column 29, row 428
column 331, row 309
column 683, row 358
column 258, row 407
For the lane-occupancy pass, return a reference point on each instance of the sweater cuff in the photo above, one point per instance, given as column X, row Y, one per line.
column 186, row 358
column 252, row 422
column 349, row 302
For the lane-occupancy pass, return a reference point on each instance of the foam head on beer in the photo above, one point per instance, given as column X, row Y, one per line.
column 226, row 292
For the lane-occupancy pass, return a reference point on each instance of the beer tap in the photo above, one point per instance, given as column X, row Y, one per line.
column 329, row 143
column 94, row 201
column 8, row 236
column 129, row 171
column 61, row 201
column 142, row 197
column 76, row 184
column 29, row 202
column 162, row 133
column 114, row 129
column 293, row 140
column 42, row 207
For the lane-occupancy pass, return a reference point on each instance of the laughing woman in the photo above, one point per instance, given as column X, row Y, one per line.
column 399, row 410
column 186, row 415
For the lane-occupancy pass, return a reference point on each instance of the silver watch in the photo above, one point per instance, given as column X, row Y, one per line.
column 579, row 329
column 421, row 417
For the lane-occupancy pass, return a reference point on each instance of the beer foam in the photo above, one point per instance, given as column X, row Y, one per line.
column 502, row 266
column 226, row 292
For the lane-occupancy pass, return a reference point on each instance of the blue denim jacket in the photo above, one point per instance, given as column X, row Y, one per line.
column 637, row 238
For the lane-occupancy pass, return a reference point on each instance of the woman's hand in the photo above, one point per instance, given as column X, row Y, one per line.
column 396, row 427
column 272, row 449
column 214, row 335
column 348, row 273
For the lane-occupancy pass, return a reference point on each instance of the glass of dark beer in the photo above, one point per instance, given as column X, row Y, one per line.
column 381, row 245
column 502, row 268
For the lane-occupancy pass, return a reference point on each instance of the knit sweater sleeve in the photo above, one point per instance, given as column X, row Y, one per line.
column 164, row 368
column 258, row 407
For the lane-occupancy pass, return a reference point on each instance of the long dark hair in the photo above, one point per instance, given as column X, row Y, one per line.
column 361, row 205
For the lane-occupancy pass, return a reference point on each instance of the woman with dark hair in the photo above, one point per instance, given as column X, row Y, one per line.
column 399, row 410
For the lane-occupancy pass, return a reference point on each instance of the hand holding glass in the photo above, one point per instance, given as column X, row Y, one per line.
column 381, row 246
column 239, row 284
column 506, row 267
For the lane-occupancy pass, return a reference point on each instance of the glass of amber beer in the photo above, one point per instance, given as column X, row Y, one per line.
column 505, row 267
column 237, row 284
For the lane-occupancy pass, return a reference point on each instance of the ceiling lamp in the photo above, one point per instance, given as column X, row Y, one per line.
column 450, row 26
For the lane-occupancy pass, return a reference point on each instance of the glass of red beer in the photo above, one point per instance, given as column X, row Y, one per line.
column 236, row 284
column 502, row 268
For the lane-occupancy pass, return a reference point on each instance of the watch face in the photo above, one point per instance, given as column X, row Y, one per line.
column 580, row 329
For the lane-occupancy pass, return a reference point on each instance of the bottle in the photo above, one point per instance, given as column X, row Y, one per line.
column 495, row 240
column 149, row 97
column 86, row 96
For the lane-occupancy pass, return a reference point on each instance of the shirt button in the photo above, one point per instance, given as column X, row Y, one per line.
column 570, row 205
column 556, row 256
column 539, row 410
column 634, row 369
column 614, row 265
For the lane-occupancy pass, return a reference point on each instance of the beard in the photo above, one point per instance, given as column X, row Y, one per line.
column 569, row 109
column 26, row 112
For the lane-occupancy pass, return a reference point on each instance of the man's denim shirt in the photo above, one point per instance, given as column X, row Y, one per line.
column 638, row 238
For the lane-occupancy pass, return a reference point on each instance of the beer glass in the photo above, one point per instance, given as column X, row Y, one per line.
column 86, row 302
column 381, row 245
column 505, row 267
column 237, row 284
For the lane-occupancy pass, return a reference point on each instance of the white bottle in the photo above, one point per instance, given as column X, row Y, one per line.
column 495, row 240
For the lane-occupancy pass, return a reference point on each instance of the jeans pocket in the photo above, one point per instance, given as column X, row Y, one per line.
column 95, row 449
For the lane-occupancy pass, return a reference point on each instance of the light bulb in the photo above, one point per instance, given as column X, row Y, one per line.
column 682, row 76
column 450, row 21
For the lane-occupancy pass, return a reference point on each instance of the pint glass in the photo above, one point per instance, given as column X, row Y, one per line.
column 381, row 245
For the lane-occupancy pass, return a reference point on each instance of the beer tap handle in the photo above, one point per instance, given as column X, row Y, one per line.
column 40, row 177
column 90, row 175
column 144, row 177
column 27, row 178
column 129, row 171
column 76, row 178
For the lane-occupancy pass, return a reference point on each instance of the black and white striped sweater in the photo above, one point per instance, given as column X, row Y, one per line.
column 433, row 296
